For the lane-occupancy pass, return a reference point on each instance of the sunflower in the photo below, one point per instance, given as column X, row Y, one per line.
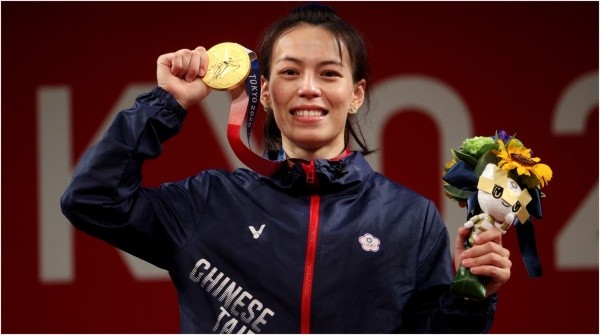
column 516, row 156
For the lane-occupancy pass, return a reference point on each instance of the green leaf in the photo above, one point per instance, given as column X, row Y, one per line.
column 456, row 192
column 467, row 284
column 487, row 147
column 465, row 157
column 487, row 158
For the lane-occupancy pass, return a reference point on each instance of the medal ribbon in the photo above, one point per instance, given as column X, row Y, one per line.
column 243, row 108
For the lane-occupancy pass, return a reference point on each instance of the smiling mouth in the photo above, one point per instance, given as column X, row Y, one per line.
column 309, row 113
column 505, row 204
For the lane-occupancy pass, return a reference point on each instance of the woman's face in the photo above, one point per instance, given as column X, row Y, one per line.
column 311, row 92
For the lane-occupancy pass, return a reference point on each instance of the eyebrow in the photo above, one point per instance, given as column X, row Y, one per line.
column 299, row 61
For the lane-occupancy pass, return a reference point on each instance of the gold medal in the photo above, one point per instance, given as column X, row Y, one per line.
column 228, row 66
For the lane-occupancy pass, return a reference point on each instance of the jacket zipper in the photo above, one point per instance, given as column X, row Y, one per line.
column 311, row 249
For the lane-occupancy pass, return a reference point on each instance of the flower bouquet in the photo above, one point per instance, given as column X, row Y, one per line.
column 499, row 182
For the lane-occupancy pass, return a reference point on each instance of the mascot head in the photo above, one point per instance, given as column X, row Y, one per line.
column 500, row 196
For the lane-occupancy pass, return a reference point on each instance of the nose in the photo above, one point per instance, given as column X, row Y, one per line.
column 309, row 87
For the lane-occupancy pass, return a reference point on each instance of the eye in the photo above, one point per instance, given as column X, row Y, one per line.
column 330, row 73
column 288, row 72
column 497, row 191
column 516, row 207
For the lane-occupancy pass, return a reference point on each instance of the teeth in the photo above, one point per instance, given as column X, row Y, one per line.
column 306, row 113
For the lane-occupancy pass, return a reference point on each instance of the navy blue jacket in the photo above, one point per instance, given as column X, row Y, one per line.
column 320, row 247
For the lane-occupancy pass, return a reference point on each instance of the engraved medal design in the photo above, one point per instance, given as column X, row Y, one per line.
column 228, row 66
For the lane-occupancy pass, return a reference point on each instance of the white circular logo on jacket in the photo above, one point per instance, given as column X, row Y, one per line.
column 369, row 242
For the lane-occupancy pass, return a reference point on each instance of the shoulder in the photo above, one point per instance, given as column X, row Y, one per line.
column 405, row 206
column 392, row 189
column 224, row 179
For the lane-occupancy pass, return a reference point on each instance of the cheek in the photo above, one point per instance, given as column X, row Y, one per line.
column 280, row 94
column 279, row 109
column 279, row 119
column 342, row 95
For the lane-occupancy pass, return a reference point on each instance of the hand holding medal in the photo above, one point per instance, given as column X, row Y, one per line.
column 223, row 67
column 189, row 75
column 179, row 73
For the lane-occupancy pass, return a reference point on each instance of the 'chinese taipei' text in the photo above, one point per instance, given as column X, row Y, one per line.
column 240, row 313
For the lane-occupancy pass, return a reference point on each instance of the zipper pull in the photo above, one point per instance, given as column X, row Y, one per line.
column 309, row 169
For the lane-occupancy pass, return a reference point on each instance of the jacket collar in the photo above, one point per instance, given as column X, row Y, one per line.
column 331, row 175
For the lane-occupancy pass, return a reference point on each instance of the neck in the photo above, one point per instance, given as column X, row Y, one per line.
column 312, row 154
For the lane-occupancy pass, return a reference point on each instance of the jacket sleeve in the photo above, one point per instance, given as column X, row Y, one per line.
column 105, row 197
column 433, row 308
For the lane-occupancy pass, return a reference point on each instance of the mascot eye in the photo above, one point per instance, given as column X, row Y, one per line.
column 497, row 191
column 516, row 207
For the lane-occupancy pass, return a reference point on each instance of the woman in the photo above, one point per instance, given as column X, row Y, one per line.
column 323, row 245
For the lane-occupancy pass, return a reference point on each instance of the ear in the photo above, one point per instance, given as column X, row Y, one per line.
column 359, row 93
column 265, row 99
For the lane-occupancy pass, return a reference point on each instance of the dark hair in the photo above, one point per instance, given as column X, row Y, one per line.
column 323, row 16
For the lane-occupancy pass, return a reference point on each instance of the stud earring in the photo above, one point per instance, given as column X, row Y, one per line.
column 267, row 108
column 352, row 110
